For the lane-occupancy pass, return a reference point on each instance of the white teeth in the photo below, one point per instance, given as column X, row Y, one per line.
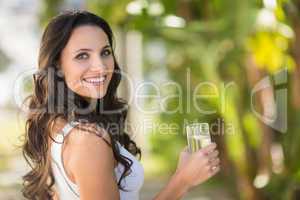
column 95, row 80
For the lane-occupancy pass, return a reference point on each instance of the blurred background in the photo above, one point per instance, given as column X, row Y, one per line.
column 241, row 58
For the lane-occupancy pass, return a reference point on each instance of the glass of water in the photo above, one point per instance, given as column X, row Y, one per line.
column 197, row 136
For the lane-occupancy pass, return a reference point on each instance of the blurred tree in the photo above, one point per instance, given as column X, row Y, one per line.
column 49, row 8
column 4, row 61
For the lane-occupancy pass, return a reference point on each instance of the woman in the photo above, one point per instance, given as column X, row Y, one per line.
column 75, row 141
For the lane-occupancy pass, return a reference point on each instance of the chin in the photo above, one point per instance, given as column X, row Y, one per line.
column 91, row 94
column 94, row 96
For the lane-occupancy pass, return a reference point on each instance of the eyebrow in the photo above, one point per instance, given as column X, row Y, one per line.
column 87, row 49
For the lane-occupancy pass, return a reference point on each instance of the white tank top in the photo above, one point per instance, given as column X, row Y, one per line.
column 67, row 189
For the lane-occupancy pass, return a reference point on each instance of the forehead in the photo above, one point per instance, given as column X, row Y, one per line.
column 87, row 36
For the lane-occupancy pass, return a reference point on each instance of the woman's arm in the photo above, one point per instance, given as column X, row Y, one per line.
column 193, row 169
column 92, row 166
column 173, row 190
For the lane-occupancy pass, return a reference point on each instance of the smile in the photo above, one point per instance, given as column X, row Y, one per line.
column 95, row 80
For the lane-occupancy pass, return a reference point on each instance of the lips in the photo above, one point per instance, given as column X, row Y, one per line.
column 95, row 80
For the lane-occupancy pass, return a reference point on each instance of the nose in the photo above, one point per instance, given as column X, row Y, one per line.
column 98, row 64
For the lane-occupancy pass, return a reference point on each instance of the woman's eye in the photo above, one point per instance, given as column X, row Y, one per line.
column 106, row 52
column 82, row 56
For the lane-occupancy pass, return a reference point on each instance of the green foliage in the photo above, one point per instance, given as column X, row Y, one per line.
column 49, row 8
column 252, row 130
column 270, row 51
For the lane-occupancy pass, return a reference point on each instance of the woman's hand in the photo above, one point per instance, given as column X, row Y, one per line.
column 196, row 168
column 192, row 169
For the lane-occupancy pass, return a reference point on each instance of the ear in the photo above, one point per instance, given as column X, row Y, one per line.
column 60, row 72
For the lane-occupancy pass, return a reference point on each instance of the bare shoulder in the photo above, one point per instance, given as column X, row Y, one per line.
column 90, row 143
column 89, row 132
column 92, row 162
column 89, row 160
column 85, row 140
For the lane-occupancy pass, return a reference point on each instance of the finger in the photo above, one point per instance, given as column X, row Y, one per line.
column 212, row 155
column 214, row 162
column 209, row 148
column 214, row 170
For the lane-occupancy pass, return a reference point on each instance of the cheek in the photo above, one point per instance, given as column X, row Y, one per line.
column 111, row 66
column 73, row 75
column 110, row 63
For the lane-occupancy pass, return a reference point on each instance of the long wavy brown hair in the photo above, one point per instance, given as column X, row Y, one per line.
column 52, row 99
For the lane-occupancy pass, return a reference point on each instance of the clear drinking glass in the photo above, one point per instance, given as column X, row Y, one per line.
column 197, row 136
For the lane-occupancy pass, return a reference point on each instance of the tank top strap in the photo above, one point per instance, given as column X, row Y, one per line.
column 68, row 127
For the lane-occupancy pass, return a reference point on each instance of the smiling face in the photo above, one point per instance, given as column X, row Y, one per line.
column 87, row 61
